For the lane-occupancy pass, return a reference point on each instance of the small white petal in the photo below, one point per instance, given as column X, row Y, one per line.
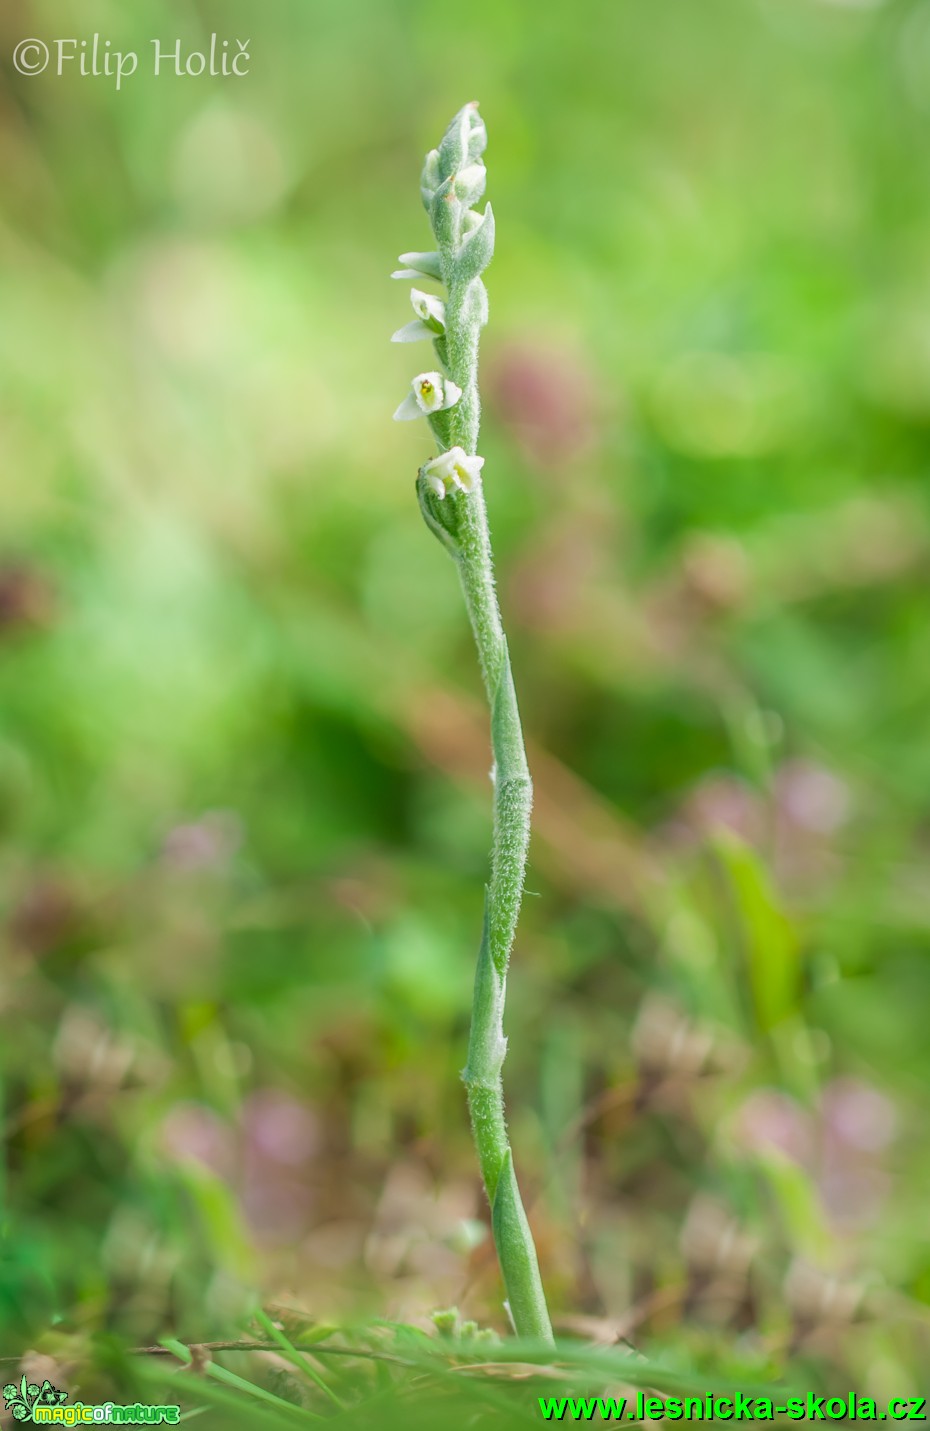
column 427, row 265
column 452, row 394
column 412, row 332
column 408, row 410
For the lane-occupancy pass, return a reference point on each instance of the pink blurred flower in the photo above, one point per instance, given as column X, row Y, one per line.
column 547, row 401
column 191, row 1130
column 280, row 1136
column 840, row 1144
column 858, row 1116
column 770, row 1119
column 278, row 1127
column 204, row 843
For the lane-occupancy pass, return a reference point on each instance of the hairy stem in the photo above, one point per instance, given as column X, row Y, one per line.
column 513, row 803
column 487, row 1047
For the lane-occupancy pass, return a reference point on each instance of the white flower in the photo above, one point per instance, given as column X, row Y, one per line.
column 431, row 392
column 429, row 322
column 452, row 469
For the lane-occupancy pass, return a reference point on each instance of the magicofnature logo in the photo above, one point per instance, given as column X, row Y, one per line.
column 23, row 1399
column 45, row 1403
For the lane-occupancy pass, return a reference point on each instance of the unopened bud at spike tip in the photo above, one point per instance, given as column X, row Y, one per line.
column 464, row 141
column 478, row 138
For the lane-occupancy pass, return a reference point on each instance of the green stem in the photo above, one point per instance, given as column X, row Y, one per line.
column 487, row 1047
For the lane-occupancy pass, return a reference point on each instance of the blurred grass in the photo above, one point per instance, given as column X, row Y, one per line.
column 243, row 771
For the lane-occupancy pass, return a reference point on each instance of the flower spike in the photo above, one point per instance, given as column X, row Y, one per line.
column 451, row 498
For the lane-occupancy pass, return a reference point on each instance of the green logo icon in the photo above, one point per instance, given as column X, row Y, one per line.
column 22, row 1400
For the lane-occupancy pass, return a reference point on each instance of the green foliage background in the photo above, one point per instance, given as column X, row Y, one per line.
column 243, row 768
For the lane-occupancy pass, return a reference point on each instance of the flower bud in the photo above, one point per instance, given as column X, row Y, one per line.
column 476, row 250
column 453, row 148
column 469, row 183
column 463, row 141
column 430, row 392
column 419, row 265
column 478, row 138
column 430, row 179
column 442, row 214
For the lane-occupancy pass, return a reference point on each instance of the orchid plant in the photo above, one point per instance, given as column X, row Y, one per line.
column 451, row 496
